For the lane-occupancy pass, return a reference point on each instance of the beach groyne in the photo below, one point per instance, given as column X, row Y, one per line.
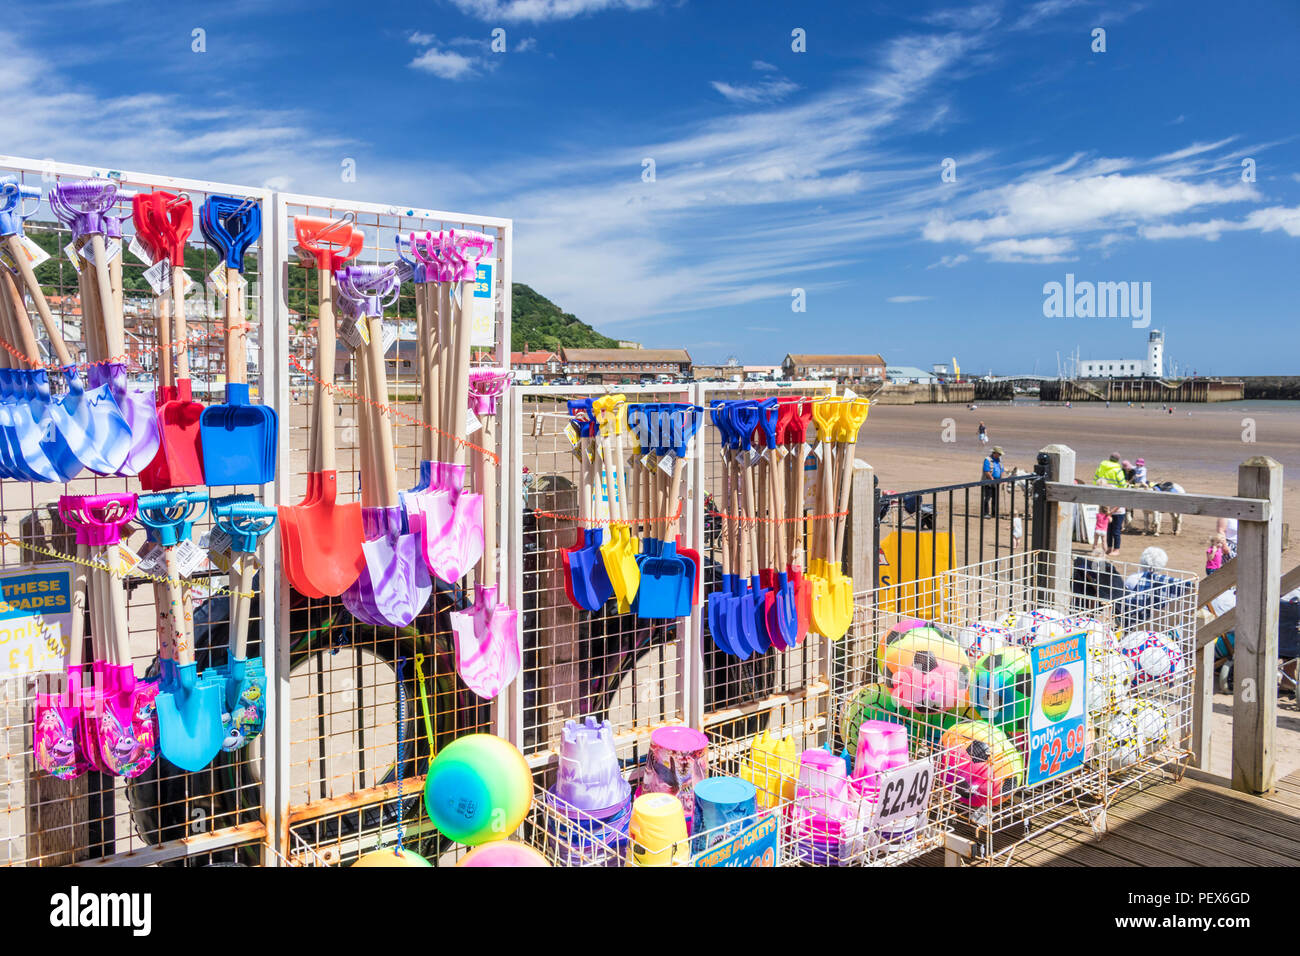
column 1277, row 387
column 963, row 392
column 1188, row 390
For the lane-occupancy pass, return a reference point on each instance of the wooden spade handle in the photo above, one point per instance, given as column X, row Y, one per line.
column 325, row 369
column 19, row 256
column 236, row 361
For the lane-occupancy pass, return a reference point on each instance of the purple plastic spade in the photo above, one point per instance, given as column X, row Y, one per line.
column 395, row 585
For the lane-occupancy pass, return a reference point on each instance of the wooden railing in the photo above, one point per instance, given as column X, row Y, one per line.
column 1256, row 571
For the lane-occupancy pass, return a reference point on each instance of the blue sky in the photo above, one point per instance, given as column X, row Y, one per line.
column 774, row 169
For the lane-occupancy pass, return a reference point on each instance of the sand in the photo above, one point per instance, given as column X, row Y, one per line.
column 1201, row 451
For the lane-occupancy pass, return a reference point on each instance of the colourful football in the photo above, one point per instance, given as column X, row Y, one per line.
column 1100, row 637
column 927, row 671
column 893, row 636
column 979, row 763
column 1003, row 687
column 1156, row 657
column 1046, row 624
column 873, row 702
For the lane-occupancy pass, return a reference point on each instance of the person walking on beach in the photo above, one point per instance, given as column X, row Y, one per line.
column 1111, row 472
column 984, row 434
column 991, row 473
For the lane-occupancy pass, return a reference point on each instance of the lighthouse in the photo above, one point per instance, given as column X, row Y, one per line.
column 1156, row 354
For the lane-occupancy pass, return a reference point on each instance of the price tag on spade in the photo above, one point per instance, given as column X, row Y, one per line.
column 904, row 792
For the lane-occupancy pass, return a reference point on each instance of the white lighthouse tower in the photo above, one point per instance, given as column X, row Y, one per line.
column 1156, row 354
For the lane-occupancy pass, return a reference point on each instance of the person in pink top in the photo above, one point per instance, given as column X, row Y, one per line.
column 1216, row 553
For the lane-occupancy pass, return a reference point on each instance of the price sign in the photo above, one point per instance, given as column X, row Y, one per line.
column 35, row 613
column 1057, row 732
column 904, row 792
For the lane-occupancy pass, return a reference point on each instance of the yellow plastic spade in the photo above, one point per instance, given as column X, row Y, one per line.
column 772, row 768
column 616, row 552
column 824, row 620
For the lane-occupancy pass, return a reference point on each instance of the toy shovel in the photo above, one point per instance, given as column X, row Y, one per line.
column 321, row 538
column 57, row 744
column 487, row 636
column 243, row 680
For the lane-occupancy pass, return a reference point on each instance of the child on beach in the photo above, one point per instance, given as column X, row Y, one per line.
column 1216, row 553
column 1103, row 523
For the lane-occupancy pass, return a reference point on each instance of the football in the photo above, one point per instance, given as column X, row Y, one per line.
column 1002, row 687
column 982, row 637
column 1100, row 637
column 927, row 671
column 896, row 634
column 1156, row 657
column 979, row 763
column 1110, row 678
column 1119, row 742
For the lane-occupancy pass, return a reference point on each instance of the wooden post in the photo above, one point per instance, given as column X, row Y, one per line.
column 1259, row 556
column 1054, row 524
column 1203, row 707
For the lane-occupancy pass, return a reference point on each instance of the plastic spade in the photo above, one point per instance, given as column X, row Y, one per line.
column 190, row 729
column 322, row 539
column 238, row 438
column 616, row 550
column 722, row 601
column 488, row 649
column 686, row 422
column 168, row 220
column 244, row 680
column 57, row 744
column 667, row 583
column 394, row 584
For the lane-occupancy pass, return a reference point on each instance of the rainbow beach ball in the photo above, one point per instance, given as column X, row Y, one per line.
column 1058, row 694
column 478, row 789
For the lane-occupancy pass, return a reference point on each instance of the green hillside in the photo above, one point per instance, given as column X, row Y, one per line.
column 537, row 322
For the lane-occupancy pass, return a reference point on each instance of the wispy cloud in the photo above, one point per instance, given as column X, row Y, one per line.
column 768, row 91
column 540, row 11
column 1042, row 249
column 899, row 299
column 526, row 44
column 1285, row 218
column 948, row 262
column 444, row 63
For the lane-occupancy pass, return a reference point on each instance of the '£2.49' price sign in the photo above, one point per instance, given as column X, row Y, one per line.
column 904, row 792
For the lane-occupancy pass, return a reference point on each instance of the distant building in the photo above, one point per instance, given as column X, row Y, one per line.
column 537, row 363
column 1153, row 366
column 614, row 365
column 851, row 368
column 910, row 375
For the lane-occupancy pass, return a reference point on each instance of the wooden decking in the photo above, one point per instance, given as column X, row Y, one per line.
column 1188, row 823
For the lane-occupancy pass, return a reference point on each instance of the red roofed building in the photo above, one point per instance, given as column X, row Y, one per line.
column 537, row 363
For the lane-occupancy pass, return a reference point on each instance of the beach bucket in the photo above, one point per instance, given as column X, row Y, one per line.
column 657, row 831
column 589, row 776
column 724, row 806
column 772, row 767
column 678, row 761
column 882, row 745
column 578, row 838
column 823, row 788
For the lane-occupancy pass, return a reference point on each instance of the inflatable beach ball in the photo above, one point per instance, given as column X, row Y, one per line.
column 1110, row 677
column 1003, row 687
column 503, row 853
column 982, row 637
column 478, row 789
column 927, row 671
column 979, row 763
column 1156, row 657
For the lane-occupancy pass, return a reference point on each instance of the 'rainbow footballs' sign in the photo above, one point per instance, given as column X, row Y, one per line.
column 1057, row 731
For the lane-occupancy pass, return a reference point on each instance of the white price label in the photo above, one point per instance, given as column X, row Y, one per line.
column 140, row 251
column 154, row 561
column 666, row 464
column 111, row 248
column 217, row 279
column 70, row 250
column 159, row 277
column 904, row 792
column 353, row 333
column 189, row 558
column 35, row 254
column 390, row 334
column 472, row 424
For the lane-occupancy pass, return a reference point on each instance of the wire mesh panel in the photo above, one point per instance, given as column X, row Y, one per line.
column 96, row 816
column 609, row 663
column 348, row 682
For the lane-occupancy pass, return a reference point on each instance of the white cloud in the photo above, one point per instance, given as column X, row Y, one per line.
column 446, row 64
column 768, row 91
column 949, row 261
column 1271, row 219
column 1042, row 249
column 1058, row 204
column 1042, row 10
column 539, row 11
column 763, row 66
column 907, row 298
column 526, row 44
column 420, row 39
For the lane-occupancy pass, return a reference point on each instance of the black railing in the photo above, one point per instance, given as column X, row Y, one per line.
column 983, row 519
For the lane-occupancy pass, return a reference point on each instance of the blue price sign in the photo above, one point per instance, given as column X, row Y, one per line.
column 1057, row 722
